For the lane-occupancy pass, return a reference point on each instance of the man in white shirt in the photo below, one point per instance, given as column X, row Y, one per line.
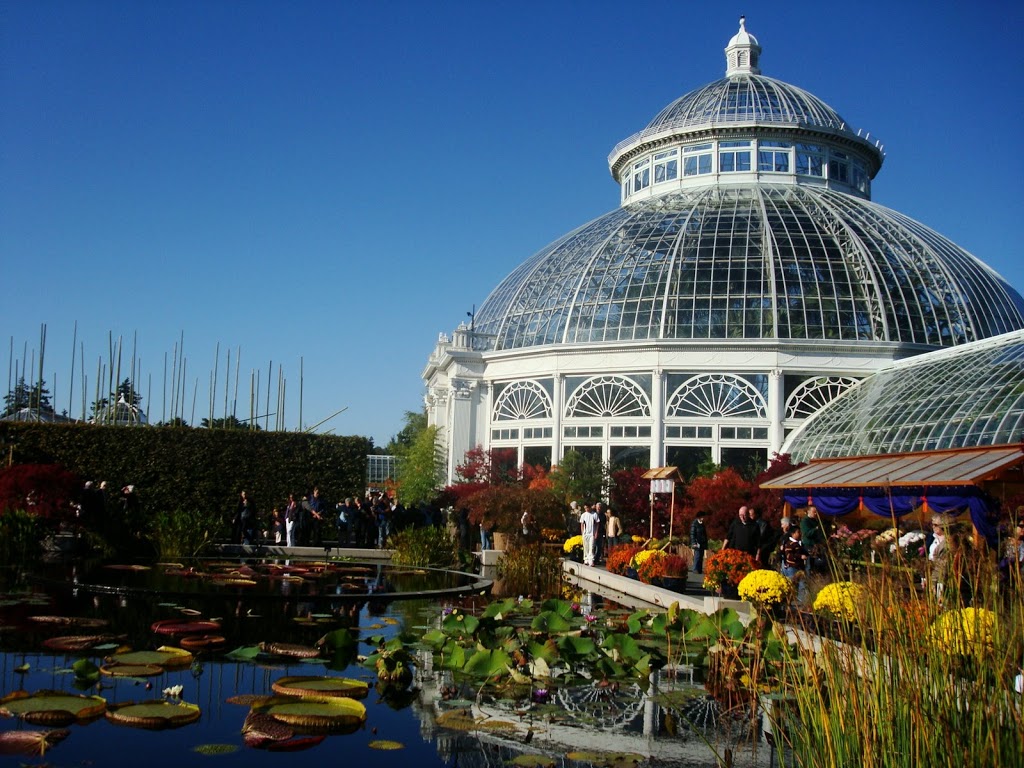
column 588, row 527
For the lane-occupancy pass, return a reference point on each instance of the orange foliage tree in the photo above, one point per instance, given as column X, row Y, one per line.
column 718, row 497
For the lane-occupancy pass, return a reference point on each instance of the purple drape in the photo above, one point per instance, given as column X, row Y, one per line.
column 897, row 502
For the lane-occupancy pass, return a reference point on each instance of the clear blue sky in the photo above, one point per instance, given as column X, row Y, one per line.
column 340, row 181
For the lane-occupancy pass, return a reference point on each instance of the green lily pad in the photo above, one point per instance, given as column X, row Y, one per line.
column 321, row 687
column 244, row 653
column 215, row 749
column 165, row 656
column 52, row 707
column 336, row 714
column 131, row 670
column 86, row 671
column 153, row 715
column 385, row 744
column 533, row 761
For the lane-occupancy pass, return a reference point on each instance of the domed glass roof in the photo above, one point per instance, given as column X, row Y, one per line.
column 746, row 98
column 930, row 402
column 751, row 261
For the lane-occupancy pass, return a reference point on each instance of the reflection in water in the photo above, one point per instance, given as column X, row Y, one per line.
column 667, row 720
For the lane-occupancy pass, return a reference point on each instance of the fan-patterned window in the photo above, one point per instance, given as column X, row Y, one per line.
column 522, row 400
column 814, row 394
column 607, row 396
column 717, row 396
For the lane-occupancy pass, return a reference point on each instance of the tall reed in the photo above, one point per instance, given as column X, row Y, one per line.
column 907, row 682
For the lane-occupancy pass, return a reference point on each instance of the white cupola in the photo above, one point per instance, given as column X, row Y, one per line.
column 742, row 53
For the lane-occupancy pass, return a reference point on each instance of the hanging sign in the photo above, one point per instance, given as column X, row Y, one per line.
column 662, row 486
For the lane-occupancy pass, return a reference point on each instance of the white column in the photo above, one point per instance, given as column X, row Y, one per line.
column 658, row 418
column 776, row 411
column 460, row 438
column 557, row 405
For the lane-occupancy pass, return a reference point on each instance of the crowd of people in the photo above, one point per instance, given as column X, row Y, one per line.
column 599, row 526
column 307, row 520
column 799, row 548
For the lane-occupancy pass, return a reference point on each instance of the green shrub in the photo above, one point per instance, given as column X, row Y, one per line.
column 430, row 546
column 531, row 569
column 179, row 534
column 19, row 536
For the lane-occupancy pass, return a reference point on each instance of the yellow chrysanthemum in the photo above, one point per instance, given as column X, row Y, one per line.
column 644, row 555
column 766, row 588
column 840, row 599
column 572, row 543
column 965, row 631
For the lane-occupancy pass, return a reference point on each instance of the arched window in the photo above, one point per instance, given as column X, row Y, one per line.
column 715, row 396
column 607, row 396
column 522, row 400
column 814, row 394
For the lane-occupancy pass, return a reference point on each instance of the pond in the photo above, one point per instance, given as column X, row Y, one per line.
column 439, row 720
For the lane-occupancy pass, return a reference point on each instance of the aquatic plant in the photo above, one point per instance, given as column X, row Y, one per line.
column 882, row 692
column 427, row 546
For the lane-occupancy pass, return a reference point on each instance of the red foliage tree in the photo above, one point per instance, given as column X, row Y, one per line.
column 44, row 490
column 631, row 498
column 504, row 505
column 494, row 467
column 718, row 497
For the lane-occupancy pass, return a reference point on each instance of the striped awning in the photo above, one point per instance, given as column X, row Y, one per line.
column 957, row 467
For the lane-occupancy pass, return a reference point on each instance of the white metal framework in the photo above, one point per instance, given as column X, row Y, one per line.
column 745, row 282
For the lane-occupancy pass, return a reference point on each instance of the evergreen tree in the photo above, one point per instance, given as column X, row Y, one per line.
column 228, row 422
column 124, row 391
column 25, row 396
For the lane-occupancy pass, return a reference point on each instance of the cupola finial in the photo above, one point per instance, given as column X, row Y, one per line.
column 742, row 53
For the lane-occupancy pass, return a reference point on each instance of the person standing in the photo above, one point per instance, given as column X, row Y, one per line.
column 698, row 542
column 291, row 521
column 743, row 534
column 768, row 537
column 613, row 528
column 599, row 541
column 588, row 527
column 346, row 512
column 813, row 535
column 317, row 512
column 793, row 559
column 247, row 522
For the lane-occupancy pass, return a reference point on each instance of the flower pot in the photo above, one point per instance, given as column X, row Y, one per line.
column 500, row 541
column 674, row 583
column 730, row 591
column 631, row 573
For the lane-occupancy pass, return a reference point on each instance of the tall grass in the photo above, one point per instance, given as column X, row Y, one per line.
column 889, row 689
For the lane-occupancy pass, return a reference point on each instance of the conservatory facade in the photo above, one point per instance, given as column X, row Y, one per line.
column 745, row 282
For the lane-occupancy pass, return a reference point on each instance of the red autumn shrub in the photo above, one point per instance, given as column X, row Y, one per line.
column 43, row 490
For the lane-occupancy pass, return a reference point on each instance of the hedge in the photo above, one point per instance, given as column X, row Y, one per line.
column 197, row 469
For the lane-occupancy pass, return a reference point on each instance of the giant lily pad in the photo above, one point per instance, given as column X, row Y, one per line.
column 52, row 707
column 74, row 643
column 184, row 627
column 334, row 715
column 290, row 650
column 30, row 742
column 131, row 670
column 165, row 656
column 321, row 687
column 153, row 715
column 69, row 621
column 202, row 642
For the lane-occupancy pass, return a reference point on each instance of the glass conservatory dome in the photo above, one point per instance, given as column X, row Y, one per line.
column 945, row 399
column 746, row 214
